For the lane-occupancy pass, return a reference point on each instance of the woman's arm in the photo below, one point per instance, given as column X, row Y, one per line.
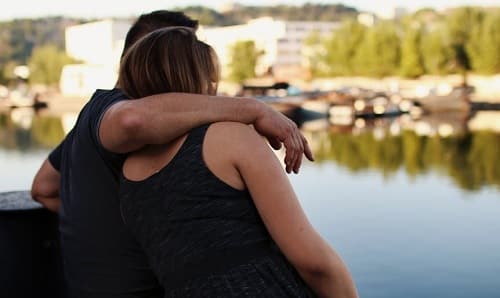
column 314, row 259
column 158, row 119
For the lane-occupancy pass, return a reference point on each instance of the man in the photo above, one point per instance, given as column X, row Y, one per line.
column 100, row 257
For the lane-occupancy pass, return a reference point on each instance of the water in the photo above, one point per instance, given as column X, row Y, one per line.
column 412, row 206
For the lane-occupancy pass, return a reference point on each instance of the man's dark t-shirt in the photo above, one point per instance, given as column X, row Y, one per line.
column 101, row 259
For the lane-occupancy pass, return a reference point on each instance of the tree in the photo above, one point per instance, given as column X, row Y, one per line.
column 460, row 24
column 483, row 46
column 244, row 58
column 379, row 52
column 8, row 71
column 342, row 48
column 204, row 15
column 411, row 58
column 46, row 64
column 315, row 53
column 436, row 53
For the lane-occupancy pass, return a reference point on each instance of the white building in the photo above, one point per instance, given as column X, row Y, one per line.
column 282, row 43
column 228, row 6
column 367, row 19
column 97, row 46
column 391, row 12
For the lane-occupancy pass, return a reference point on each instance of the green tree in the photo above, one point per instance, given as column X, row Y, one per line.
column 436, row 53
column 411, row 57
column 483, row 46
column 47, row 131
column 379, row 52
column 205, row 15
column 315, row 53
column 244, row 58
column 8, row 71
column 342, row 47
column 461, row 22
column 46, row 64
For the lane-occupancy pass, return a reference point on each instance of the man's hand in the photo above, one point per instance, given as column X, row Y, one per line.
column 278, row 129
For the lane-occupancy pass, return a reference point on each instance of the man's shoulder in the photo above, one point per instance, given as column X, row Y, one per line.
column 103, row 96
column 101, row 100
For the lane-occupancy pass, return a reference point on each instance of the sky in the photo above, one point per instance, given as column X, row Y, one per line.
column 99, row 8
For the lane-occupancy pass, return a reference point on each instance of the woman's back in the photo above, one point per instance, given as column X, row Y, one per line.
column 204, row 237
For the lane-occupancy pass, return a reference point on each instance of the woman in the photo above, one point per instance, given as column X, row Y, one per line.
column 213, row 209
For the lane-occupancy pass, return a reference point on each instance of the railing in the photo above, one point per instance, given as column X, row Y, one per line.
column 29, row 249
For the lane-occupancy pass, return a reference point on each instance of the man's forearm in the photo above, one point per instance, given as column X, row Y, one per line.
column 159, row 119
column 51, row 203
column 45, row 187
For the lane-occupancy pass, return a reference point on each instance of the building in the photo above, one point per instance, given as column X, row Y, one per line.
column 391, row 12
column 97, row 47
column 367, row 19
column 228, row 6
column 282, row 43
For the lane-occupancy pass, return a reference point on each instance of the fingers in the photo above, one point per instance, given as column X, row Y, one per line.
column 290, row 153
column 294, row 149
column 300, row 150
column 295, row 144
column 274, row 142
column 307, row 150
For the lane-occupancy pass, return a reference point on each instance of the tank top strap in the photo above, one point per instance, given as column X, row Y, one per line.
column 192, row 147
column 197, row 134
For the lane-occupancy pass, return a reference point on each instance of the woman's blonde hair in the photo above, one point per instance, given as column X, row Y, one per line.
column 169, row 60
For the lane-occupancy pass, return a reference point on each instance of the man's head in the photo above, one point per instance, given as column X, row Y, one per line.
column 152, row 21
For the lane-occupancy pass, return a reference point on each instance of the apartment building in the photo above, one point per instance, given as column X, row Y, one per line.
column 97, row 47
column 282, row 43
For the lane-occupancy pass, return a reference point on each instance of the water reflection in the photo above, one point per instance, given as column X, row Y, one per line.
column 25, row 130
column 467, row 149
column 463, row 147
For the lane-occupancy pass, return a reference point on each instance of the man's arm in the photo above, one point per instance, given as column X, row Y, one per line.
column 45, row 187
column 129, row 125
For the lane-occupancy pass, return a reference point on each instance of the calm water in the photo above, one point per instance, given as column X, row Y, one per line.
column 413, row 206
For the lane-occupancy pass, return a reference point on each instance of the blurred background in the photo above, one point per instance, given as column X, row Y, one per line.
column 400, row 102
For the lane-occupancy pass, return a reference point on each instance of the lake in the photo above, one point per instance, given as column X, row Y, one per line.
column 412, row 205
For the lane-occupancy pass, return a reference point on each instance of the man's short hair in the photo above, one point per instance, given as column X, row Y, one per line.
column 158, row 19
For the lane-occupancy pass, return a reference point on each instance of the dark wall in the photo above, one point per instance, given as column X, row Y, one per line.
column 29, row 254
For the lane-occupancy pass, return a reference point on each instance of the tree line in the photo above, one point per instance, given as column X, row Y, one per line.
column 426, row 42
column 35, row 42
column 242, row 14
column 39, row 43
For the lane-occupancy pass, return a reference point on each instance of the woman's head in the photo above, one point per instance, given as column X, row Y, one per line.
column 169, row 60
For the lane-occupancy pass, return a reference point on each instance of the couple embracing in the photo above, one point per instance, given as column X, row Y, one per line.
column 164, row 190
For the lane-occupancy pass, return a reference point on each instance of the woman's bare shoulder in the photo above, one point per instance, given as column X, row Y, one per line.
column 235, row 141
column 235, row 132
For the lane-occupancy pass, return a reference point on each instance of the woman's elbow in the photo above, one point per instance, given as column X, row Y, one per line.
column 328, row 276
column 317, row 266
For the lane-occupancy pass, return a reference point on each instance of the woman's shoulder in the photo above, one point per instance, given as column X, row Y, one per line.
column 235, row 133
column 236, row 142
column 233, row 129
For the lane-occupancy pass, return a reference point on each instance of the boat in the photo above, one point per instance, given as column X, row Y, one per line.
column 457, row 100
